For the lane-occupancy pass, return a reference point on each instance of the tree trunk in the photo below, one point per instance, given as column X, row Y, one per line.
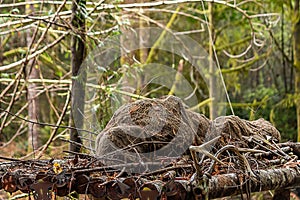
column 32, row 72
column 296, row 43
column 212, row 78
column 78, row 76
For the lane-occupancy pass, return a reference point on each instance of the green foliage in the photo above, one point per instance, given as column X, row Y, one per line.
column 286, row 123
column 262, row 99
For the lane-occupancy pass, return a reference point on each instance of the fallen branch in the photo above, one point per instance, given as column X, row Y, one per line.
column 64, row 176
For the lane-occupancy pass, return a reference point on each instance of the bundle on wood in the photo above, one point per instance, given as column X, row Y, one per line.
column 158, row 149
column 154, row 129
column 150, row 130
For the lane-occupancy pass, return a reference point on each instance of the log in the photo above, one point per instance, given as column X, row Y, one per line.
column 230, row 184
column 225, row 185
column 101, row 184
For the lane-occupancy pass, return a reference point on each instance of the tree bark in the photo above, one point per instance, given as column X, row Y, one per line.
column 32, row 72
column 78, row 75
column 230, row 184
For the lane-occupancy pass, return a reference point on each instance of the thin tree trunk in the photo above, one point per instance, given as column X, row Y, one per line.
column 283, row 48
column 297, row 64
column 78, row 82
column 32, row 72
column 212, row 78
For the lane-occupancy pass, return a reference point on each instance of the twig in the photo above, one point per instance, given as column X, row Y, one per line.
column 81, row 155
column 59, row 121
column 36, row 53
column 10, row 103
column 189, row 166
column 76, row 143
column 202, row 149
column 22, row 108
column 28, row 19
column 10, row 159
column 46, row 124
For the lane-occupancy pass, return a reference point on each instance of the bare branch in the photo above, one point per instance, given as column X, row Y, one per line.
column 35, row 54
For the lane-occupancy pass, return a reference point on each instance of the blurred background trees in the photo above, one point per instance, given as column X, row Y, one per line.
column 256, row 43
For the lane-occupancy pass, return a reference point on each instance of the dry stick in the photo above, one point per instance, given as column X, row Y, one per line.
column 69, row 82
column 14, row 95
column 40, row 18
column 76, row 143
column 25, row 21
column 257, row 141
column 50, row 81
column 31, row 153
column 10, row 159
column 79, row 154
column 96, row 6
column 49, row 25
column 20, row 29
column 167, row 11
column 46, row 124
column 62, row 15
column 280, row 150
column 167, row 169
column 36, row 53
column 95, row 23
column 90, row 34
column 12, row 100
column 13, row 5
column 202, row 149
column 11, row 84
column 141, row 5
column 22, row 108
column 95, row 169
column 57, row 124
